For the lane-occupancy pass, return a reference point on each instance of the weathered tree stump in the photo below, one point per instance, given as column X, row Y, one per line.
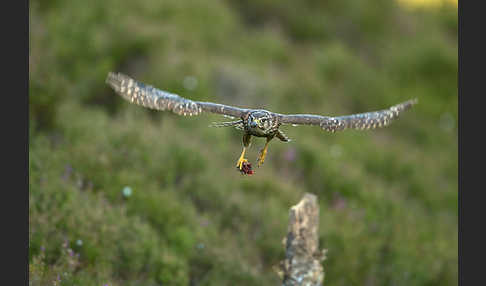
column 302, row 264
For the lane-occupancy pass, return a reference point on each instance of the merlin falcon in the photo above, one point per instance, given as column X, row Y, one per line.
column 253, row 122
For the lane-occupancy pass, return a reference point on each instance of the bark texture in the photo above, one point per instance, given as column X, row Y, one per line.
column 302, row 264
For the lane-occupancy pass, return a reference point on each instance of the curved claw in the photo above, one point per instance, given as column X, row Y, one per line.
column 263, row 154
column 245, row 168
column 240, row 162
column 261, row 158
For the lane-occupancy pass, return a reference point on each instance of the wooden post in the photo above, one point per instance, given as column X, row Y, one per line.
column 302, row 264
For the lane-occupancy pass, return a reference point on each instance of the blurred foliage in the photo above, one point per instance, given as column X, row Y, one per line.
column 388, row 197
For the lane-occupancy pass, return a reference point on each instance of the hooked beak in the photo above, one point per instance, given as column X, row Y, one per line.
column 253, row 124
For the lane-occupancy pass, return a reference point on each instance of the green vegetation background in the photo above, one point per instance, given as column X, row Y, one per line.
column 388, row 197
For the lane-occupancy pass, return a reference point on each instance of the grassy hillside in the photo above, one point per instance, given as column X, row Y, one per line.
column 121, row 195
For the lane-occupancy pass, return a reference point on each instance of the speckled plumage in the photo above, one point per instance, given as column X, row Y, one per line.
column 253, row 122
column 153, row 98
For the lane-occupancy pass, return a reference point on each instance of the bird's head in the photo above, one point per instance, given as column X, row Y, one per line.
column 260, row 120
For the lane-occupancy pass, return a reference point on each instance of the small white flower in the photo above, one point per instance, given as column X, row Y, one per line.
column 79, row 242
column 127, row 191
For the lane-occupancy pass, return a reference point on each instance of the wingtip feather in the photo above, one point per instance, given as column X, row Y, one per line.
column 115, row 79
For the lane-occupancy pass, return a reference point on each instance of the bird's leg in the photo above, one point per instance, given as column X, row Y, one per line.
column 246, row 144
column 242, row 159
column 263, row 153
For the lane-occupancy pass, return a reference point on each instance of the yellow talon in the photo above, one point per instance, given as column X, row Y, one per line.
column 242, row 159
column 261, row 158
column 240, row 163
column 263, row 154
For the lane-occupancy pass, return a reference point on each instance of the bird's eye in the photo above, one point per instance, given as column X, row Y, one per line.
column 263, row 120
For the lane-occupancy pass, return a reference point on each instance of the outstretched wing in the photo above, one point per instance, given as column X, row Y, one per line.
column 368, row 120
column 151, row 97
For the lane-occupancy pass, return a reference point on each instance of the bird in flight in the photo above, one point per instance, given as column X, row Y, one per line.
column 253, row 122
